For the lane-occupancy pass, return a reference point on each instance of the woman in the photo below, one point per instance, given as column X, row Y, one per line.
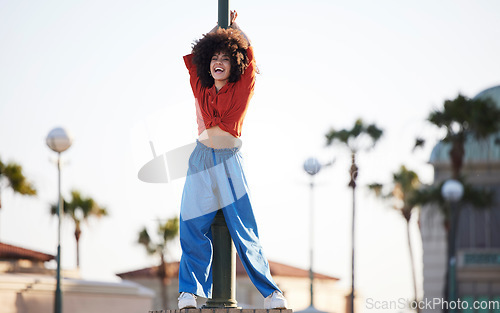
column 222, row 76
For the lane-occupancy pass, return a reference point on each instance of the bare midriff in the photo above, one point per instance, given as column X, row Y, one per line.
column 215, row 137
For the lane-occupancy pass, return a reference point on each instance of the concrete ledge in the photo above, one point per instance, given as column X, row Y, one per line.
column 228, row 310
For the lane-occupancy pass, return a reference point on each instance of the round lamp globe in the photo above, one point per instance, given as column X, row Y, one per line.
column 59, row 139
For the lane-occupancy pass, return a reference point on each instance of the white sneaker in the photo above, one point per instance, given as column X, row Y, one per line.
column 275, row 301
column 187, row 301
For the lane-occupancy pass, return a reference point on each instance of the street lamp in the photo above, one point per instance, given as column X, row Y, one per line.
column 452, row 191
column 59, row 141
column 312, row 167
column 353, row 172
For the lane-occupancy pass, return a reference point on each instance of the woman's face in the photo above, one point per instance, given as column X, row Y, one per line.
column 220, row 66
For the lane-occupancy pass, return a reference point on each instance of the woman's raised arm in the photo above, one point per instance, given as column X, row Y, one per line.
column 233, row 25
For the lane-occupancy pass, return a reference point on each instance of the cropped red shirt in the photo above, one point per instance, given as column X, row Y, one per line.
column 226, row 108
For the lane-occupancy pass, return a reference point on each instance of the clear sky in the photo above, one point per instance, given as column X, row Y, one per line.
column 111, row 72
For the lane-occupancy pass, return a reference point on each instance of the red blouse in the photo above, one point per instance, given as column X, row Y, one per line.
column 226, row 108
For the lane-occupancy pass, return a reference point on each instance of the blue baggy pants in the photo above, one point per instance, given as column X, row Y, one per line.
column 216, row 181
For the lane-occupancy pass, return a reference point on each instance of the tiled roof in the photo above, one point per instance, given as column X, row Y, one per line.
column 10, row 252
column 283, row 270
column 277, row 269
column 172, row 270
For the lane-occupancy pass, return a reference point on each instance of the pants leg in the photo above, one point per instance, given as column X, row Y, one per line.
column 198, row 208
column 221, row 176
column 243, row 229
column 195, row 269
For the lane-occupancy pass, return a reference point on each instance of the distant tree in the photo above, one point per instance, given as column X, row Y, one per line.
column 166, row 232
column 79, row 209
column 11, row 176
column 464, row 118
column 359, row 137
column 405, row 184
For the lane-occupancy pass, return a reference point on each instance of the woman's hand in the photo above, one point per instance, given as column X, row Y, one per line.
column 233, row 25
column 233, row 17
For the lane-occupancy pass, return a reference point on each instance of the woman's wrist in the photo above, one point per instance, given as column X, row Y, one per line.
column 236, row 27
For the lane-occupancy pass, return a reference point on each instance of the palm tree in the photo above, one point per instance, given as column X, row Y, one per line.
column 462, row 118
column 11, row 176
column 166, row 232
column 359, row 137
column 80, row 209
column 405, row 184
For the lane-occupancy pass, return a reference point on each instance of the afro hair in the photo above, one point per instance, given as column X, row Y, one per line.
column 229, row 41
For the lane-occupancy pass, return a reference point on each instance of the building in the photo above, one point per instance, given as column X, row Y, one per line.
column 478, row 238
column 27, row 285
column 294, row 282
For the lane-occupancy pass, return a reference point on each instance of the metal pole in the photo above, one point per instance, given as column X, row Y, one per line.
column 452, row 254
column 352, row 249
column 223, row 15
column 223, row 266
column 311, row 242
column 354, row 174
column 58, row 295
column 224, row 258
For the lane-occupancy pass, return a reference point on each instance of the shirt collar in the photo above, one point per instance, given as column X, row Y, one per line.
column 213, row 90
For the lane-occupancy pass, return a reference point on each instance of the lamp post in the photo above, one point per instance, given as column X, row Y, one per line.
column 59, row 141
column 452, row 191
column 223, row 13
column 353, row 171
column 224, row 253
column 312, row 167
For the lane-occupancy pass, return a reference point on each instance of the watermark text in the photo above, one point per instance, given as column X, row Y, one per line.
column 431, row 304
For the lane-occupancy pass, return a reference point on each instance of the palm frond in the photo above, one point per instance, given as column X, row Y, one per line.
column 166, row 232
column 376, row 188
column 479, row 198
column 13, row 172
column 349, row 136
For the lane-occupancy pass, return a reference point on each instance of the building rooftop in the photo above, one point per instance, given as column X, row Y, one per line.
column 9, row 252
column 277, row 269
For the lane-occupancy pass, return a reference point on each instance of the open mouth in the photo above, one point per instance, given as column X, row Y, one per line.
column 218, row 70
